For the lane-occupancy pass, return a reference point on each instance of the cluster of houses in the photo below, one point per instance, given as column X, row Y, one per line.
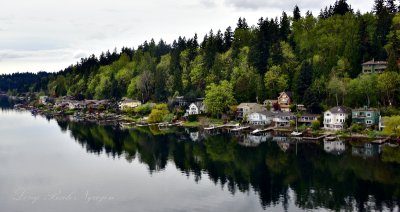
column 333, row 119
column 275, row 113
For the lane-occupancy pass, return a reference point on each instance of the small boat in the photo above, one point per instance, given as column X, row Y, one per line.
column 295, row 133
column 255, row 131
column 210, row 128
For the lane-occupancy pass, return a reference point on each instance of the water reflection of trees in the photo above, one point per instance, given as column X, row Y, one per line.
column 318, row 179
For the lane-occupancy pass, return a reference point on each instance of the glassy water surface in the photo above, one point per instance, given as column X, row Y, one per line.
column 50, row 165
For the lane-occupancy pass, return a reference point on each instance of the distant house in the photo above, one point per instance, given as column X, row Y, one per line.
column 181, row 101
column 282, row 119
column 128, row 103
column 308, row 118
column 45, row 100
column 196, row 108
column 301, row 107
column 245, row 109
column 285, row 100
column 270, row 103
column 366, row 116
column 373, row 66
column 335, row 118
column 261, row 118
column 76, row 105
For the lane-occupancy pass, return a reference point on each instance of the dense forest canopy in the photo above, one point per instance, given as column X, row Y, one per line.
column 317, row 57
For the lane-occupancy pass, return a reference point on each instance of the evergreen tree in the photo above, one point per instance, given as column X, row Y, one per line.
column 284, row 26
column 296, row 13
column 392, row 62
column 228, row 38
column 341, row 7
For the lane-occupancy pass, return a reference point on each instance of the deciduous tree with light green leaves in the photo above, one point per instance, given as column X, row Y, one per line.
column 275, row 81
column 219, row 98
column 392, row 126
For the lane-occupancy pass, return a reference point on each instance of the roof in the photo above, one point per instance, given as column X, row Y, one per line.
column 271, row 100
column 266, row 113
column 366, row 109
column 339, row 109
column 284, row 114
column 129, row 101
column 310, row 115
column 373, row 62
column 289, row 93
column 248, row 105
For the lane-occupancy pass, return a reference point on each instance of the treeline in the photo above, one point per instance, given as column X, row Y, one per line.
column 318, row 58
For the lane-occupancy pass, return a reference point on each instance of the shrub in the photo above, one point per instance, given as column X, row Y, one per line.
column 192, row 118
column 315, row 125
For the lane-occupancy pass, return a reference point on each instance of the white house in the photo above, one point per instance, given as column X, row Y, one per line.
column 245, row 109
column 195, row 108
column 128, row 103
column 260, row 118
column 44, row 100
column 335, row 118
column 282, row 119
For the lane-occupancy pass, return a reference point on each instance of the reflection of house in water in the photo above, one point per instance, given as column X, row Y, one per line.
column 195, row 136
column 334, row 147
column 284, row 146
column 280, row 139
column 367, row 150
column 254, row 140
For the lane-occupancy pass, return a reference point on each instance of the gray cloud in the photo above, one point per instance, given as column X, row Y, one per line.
column 50, row 35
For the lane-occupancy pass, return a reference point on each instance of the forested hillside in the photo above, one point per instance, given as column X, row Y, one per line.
column 317, row 57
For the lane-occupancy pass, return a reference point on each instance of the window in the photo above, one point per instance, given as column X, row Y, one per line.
column 368, row 114
column 369, row 122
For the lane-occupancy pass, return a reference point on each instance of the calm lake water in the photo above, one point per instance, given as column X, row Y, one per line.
column 49, row 165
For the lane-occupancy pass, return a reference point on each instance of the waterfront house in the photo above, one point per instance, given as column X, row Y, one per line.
column 128, row 103
column 196, row 108
column 45, row 100
column 366, row 116
column 282, row 119
column 245, row 109
column 373, row 66
column 285, row 100
column 181, row 101
column 261, row 118
column 270, row 103
column 335, row 118
column 307, row 118
column 76, row 105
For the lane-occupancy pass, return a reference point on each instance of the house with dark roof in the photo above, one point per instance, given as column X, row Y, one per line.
column 196, row 108
column 261, row 118
column 282, row 119
column 335, row 118
column 285, row 100
column 245, row 109
column 308, row 118
column 373, row 66
column 366, row 116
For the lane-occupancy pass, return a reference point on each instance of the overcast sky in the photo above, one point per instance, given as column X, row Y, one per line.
column 49, row 35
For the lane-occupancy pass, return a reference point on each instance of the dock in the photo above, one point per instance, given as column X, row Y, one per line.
column 316, row 138
column 257, row 131
column 381, row 141
column 237, row 129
